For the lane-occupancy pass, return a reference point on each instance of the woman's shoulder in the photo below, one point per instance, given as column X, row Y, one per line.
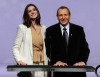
column 22, row 26
column 43, row 26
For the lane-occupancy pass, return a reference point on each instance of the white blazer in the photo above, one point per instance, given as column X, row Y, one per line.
column 22, row 48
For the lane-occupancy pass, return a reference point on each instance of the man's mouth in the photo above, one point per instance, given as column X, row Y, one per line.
column 63, row 20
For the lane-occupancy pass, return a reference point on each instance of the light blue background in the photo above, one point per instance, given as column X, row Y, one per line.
column 83, row 12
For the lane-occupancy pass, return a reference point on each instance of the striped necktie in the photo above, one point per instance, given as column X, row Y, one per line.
column 65, row 38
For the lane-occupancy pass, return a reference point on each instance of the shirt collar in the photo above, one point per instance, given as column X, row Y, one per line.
column 67, row 26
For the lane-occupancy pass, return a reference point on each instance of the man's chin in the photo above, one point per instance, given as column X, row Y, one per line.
column 63, row 24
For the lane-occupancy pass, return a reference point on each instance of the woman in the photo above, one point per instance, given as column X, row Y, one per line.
column 29, row 46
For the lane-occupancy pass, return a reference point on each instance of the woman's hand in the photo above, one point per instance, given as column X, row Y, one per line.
column 21, row 63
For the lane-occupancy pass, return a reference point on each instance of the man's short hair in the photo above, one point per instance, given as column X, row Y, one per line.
column 63, row 7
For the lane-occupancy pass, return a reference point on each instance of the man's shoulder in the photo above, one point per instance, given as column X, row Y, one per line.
column 53, row 26
column 75, row 26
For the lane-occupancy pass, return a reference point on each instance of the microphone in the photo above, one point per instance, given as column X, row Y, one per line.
column 97, row 71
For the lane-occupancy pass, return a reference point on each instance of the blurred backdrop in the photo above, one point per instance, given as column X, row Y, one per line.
column 83, row 12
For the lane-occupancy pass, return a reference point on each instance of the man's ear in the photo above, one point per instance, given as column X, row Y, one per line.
column 57, row 16
column 70, row 15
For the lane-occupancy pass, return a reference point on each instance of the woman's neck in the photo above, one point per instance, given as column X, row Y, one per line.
column 35, row 26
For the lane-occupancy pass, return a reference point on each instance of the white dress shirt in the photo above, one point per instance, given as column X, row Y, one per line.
column 67, row 27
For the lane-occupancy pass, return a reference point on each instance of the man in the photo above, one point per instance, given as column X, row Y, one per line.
column 66, row 44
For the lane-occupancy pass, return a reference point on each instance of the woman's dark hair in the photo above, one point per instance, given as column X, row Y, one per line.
column 26, row 19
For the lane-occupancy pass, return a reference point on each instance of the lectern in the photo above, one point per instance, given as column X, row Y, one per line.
column 51, row 68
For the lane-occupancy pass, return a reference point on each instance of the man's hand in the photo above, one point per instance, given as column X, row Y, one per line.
column 59, row 63
column 21, row 63
column 79, row 64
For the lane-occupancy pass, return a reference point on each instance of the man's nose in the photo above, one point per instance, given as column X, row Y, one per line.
column 63, row 16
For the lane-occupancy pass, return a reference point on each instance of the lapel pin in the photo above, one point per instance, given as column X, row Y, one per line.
column 71, row 34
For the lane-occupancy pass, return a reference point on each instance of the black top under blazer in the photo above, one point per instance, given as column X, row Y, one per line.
column 77, row 45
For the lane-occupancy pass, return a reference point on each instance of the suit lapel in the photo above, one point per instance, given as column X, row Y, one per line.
column 58, row 32
column 71, row 32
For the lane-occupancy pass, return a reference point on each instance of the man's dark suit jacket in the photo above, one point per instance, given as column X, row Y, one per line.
column 77, row 45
